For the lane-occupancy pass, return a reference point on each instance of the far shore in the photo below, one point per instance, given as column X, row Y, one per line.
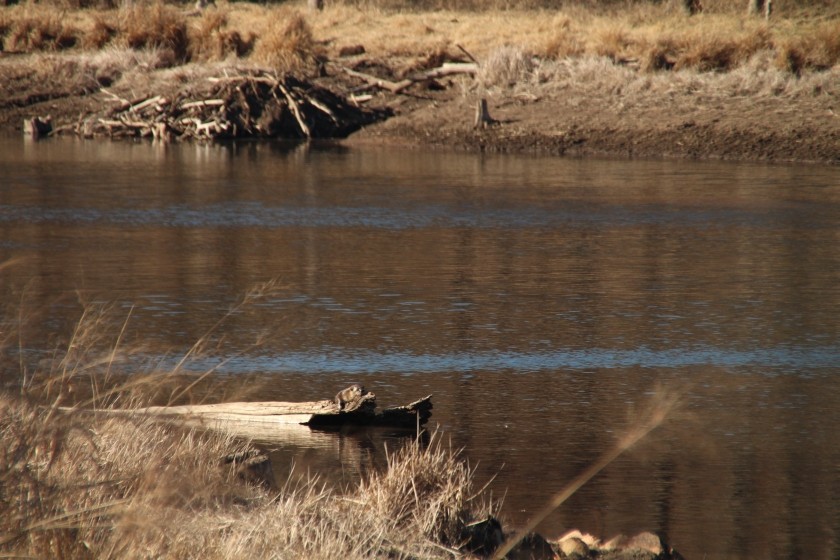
column 650, row 82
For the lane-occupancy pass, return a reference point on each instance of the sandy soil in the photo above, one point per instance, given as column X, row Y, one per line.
column 574, row 107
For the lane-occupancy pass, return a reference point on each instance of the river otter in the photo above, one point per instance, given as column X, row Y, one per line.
column 352, row 393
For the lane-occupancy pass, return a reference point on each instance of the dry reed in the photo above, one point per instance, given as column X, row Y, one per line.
column 662, row 406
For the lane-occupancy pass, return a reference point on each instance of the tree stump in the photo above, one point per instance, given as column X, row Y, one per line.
column 482, row 115
column 757, row 7
column 37, row 127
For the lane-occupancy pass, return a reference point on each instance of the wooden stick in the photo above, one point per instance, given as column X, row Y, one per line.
column 449, row 68
column 295, row 110
column 318, row 105
column 122, row 101
column 466, row 52
column 143, row 104
column 357, row 99
column 205, row 103
column 393, row 87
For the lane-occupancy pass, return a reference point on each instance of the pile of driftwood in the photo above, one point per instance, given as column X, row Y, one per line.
column 261, row 105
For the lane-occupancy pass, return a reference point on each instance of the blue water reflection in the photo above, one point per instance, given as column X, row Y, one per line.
column 253, row 214
column 779, row 360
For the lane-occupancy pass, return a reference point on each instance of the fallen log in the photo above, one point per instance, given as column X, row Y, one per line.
column 324, row 414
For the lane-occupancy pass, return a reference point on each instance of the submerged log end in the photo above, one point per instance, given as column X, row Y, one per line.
column 37, row 127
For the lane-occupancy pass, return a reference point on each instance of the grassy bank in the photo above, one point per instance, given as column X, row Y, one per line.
column 650, row 36
column 97, row 486
column 80, row 481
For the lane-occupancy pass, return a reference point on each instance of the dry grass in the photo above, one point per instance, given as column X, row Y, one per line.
column 155, row 26
column 81, row 485
column 210, row 38
column 650, row 35
column 79, row 481
column 78, row 486
column 287, row 44
column 37, row 28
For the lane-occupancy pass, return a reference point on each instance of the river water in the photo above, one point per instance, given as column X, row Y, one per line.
column 542, row 301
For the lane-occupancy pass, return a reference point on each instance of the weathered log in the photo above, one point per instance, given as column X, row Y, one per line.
column 318, row 414
column 446, row 69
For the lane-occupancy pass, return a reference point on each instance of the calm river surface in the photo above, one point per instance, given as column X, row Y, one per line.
column 542, row 301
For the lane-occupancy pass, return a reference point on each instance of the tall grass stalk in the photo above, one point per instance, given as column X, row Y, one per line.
column 663, row 404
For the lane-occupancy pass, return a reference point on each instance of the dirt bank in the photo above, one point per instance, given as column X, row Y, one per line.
column 575, row 123
column 571, row 107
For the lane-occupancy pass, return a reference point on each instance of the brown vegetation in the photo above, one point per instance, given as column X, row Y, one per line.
column 652, row 79
column 654, row 35
column 78, row 482
column 84, row 485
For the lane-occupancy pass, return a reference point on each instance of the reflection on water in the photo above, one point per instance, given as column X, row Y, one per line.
column 540, row 300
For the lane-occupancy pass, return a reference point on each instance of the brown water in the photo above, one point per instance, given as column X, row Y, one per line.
column 541, row 301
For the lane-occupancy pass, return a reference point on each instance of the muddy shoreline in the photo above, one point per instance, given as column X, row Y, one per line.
column 670, row 116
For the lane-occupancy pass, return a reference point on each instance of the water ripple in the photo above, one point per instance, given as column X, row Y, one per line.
column 251, row 214
column 364, row 361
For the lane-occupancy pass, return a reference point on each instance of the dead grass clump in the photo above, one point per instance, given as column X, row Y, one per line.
column 155, row 26
column 505, row 67
column 818, row 49
column 41, row 29
column 660, row 56
column 81, row 480
column 564, row 44
column 287, row 46
column 96, row 485
column 102, row 31
column 79, row 486
column 428, row 490
column 613, row 42
column 707, row 52
column 210, row 38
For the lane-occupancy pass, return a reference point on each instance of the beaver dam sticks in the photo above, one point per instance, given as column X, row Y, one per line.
column 258, row 105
